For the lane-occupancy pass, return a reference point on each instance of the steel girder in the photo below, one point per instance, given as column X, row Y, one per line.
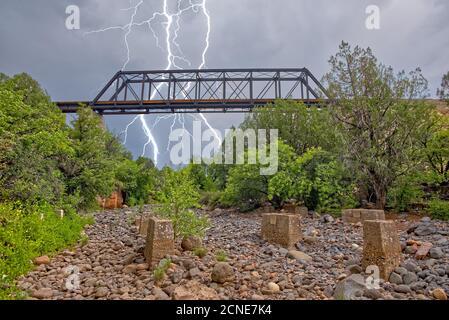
column 213, row 90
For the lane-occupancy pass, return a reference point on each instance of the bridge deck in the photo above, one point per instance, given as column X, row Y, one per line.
column 175, row 106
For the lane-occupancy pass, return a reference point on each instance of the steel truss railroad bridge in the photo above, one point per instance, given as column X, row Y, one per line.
column 205, row 91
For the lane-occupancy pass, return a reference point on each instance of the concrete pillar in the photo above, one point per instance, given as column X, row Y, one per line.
column 160, row 240
column 143, row 225
column 381, row 246
column 302, row 211
column 361, row 215
column 280, row 228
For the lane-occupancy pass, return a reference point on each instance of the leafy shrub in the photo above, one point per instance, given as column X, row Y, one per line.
column 404, row 194
column 200, row 252
column 200, row 177
column 177, row 196
column 29, row 232
column 211, row 199
column 159, row 274
column 137, row 180
column 246, row 187
column 131, row 201
column 161, row 270
column 165, row 264
column 316, row 178
column 439, row 209
column 221, row 256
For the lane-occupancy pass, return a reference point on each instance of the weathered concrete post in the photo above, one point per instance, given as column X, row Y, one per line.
column 302, row 211
column 283, row 229
column 160, row 240
column 360, row 215
column 143, row 225
column 381, row 246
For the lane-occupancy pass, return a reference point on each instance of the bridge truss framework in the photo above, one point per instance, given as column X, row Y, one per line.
column 206, row 91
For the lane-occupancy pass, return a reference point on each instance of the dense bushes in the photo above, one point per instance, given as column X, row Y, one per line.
column 137, row 179
column 406, row 194
column 45, row 166
column 70, row 165
column 31, row 129
column 211, row 199
column 439, row 209
column 30, row 231
column 316, row 179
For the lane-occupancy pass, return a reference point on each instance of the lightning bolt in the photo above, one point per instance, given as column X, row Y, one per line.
column 174, row 54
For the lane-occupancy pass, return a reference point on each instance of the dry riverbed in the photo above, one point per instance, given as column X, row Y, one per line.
column 112, row 265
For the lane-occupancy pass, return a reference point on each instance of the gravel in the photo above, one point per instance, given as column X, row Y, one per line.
column 112, row 265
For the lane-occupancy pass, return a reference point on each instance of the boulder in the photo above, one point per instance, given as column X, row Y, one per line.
column 44, row 293
column 42, row 260
column 395, row 278
column 327, row 218
column 273, row 287
column 423, row 251
column 354, row 269
column 425, row 229
column 439, row 294
column 160, row 294
column 349, row 288
column 193, row 290
column 129, row 269
column 114, row 201
column 436, row 253
column 101, row 292
column 402, row 288
column 299, row 255
column 222, row 273
column 410, row 278
column 191, row 243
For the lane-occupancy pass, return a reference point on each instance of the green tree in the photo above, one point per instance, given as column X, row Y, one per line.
column 201, row 177
column 299, row 126
column 137, row 179
column 316, row 179
column 443, row 91
column 177, row 196
column 3, row 77
column 436, row 151
column 382, row 118
column 247, row 188
column 31, row 127
column 91, row 172
column 406, row 192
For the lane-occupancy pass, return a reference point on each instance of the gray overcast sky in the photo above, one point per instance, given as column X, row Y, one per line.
column 244, row 33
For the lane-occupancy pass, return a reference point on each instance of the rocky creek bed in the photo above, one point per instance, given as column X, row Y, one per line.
column 325, row 265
